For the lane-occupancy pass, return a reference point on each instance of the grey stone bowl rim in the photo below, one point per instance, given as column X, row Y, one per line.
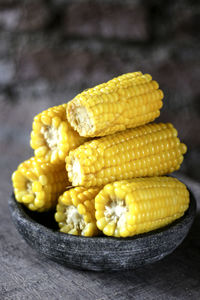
column 103, row 243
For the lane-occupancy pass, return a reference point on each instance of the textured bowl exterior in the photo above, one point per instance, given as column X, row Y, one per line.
column 99, row 253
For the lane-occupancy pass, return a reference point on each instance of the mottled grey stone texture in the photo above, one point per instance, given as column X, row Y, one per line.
column 99, row 253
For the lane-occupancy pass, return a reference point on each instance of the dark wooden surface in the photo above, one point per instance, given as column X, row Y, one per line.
column 24, row 274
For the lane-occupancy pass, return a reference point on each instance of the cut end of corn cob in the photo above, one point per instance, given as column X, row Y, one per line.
column 80, row 116
column 127, row 101
column 52, row 136
column 75, row 212
column 148, row 150
column 127, row 208
column 38, row 185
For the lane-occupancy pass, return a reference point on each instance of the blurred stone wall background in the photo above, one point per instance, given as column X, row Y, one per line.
column 51, row 50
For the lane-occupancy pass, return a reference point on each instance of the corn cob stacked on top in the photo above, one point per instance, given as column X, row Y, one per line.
column 127, row 101
column 126, row 147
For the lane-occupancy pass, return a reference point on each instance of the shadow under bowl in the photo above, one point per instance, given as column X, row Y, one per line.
column 101, row 253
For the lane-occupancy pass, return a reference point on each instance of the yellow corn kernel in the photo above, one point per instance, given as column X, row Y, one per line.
column 39, row 202
column 41, row 190
column 59, row 216
column 28, row 198
column 32, row 206
column 126, row 101
column 40, row 195
column 89, row 229
column 101, row 223
column 109, row 229
column 52, row 137
column 43, row 179
column 81, row 209
column 148, row 150
column 41, row 151
column 73, row 213
column 147, row 204
column 36, row 187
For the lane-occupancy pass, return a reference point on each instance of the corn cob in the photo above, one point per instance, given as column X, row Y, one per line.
column 127, row 101
column 75, row 211
column 38, row 185
column 52, row 136
column 149, row 150
column 130, row 207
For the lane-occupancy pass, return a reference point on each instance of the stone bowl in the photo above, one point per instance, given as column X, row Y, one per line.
column 98, row 253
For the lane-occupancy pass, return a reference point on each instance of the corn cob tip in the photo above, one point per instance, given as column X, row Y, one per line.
column 80, row 117
column 74, row 170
